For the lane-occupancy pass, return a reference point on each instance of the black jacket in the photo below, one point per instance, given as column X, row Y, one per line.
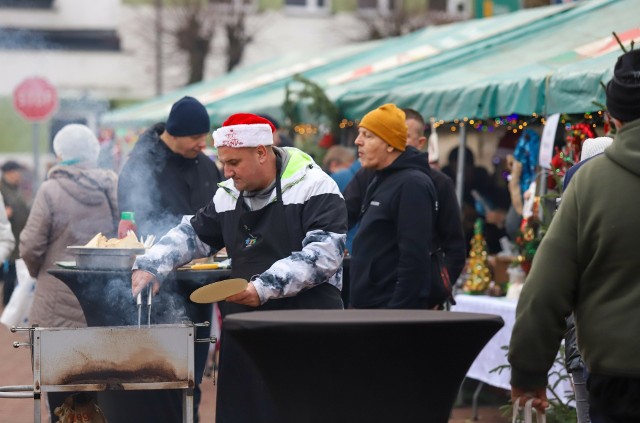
column 20, row 212
column 391, row 260
column 448, row 234
column 160, row 186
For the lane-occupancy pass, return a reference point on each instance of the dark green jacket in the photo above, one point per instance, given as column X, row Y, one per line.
column 588, row 261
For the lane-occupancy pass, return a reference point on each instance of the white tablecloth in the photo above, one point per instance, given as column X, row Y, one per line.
column 493, row 355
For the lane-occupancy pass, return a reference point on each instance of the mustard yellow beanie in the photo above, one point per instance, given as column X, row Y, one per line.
column 388, row 123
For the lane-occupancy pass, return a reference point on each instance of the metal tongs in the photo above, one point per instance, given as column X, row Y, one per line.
column 149, row 290
column 148, row 243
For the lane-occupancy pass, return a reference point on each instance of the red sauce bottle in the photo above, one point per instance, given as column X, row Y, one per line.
column 127, row 223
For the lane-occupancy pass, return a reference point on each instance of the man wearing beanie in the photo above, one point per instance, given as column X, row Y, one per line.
column 587, row 264
column 448, row 236
column 283, row 222
column 166, row 177
column 391, row 258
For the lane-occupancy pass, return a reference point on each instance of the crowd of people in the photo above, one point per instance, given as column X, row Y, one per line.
column 287, row 223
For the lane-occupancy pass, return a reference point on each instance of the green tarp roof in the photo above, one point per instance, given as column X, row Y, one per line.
column 552, row 65
column 539, row 60
column 254, row 79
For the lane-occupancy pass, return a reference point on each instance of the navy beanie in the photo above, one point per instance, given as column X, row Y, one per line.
column 188, row 117
column 623, row 91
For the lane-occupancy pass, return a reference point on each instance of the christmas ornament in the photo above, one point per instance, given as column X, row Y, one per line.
column 478, row 268
column 569, row 155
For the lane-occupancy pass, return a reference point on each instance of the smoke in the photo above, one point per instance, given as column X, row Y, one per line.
column 159, row 198
column 106, row 299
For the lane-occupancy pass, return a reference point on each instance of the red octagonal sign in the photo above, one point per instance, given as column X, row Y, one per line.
column 35, row 99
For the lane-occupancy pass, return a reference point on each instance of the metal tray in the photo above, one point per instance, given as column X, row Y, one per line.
column 105, row 258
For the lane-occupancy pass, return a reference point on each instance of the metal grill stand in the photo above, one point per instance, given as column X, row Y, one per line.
column 119, row 358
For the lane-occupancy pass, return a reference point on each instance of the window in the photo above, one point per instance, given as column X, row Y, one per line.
column 438, row 5
column 35, row 39
column 26, row 4
column 248, row 6
column 311, row 6
column 367, row 4
column 374, row 7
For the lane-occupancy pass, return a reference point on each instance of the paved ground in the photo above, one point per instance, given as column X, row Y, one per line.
column 15, row 369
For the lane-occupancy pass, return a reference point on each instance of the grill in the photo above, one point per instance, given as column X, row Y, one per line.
column 110, row 359
column 113, row 354
column 114, row 358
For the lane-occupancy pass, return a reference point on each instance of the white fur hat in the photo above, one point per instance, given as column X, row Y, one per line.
column 593, row 146
column 76, row 143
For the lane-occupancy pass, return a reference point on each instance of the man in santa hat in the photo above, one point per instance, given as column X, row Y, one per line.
column 281, row 218
column 283, row 222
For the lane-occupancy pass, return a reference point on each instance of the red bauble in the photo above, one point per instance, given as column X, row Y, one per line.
column 326, row 141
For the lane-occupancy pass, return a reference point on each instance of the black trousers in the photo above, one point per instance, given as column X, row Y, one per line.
column 613, row 399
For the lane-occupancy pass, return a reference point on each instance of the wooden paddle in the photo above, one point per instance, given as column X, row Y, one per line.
column 218, row 291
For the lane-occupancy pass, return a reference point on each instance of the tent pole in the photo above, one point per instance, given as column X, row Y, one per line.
column 542, row 191
column 461, row 161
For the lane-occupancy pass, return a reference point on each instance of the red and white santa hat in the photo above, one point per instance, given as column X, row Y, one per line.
column 244, row 130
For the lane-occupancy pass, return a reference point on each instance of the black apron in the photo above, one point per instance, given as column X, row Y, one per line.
column 261, row 238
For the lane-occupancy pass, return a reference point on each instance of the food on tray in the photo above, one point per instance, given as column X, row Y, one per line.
column 96, row 241
column 101, row 241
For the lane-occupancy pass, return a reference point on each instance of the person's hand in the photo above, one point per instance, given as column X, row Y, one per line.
column 540, row 402
column 248, row 297
column 496, row 217
column 9, row 211
column 140, row 279
column 514, row 167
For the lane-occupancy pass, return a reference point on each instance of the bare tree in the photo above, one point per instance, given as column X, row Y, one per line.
column 196, row 24
column 397, row 17
column 232, row 15
column 393, row 23
column 237, row 39
column 192, row 27
column 183, row 36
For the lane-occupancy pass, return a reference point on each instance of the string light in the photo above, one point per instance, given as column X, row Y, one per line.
column 512, row 123
column 306, row 129
column 344, row 123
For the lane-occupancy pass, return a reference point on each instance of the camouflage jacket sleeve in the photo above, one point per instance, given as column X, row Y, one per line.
column 324, row 224
column 179, row 246
column 320, row 260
